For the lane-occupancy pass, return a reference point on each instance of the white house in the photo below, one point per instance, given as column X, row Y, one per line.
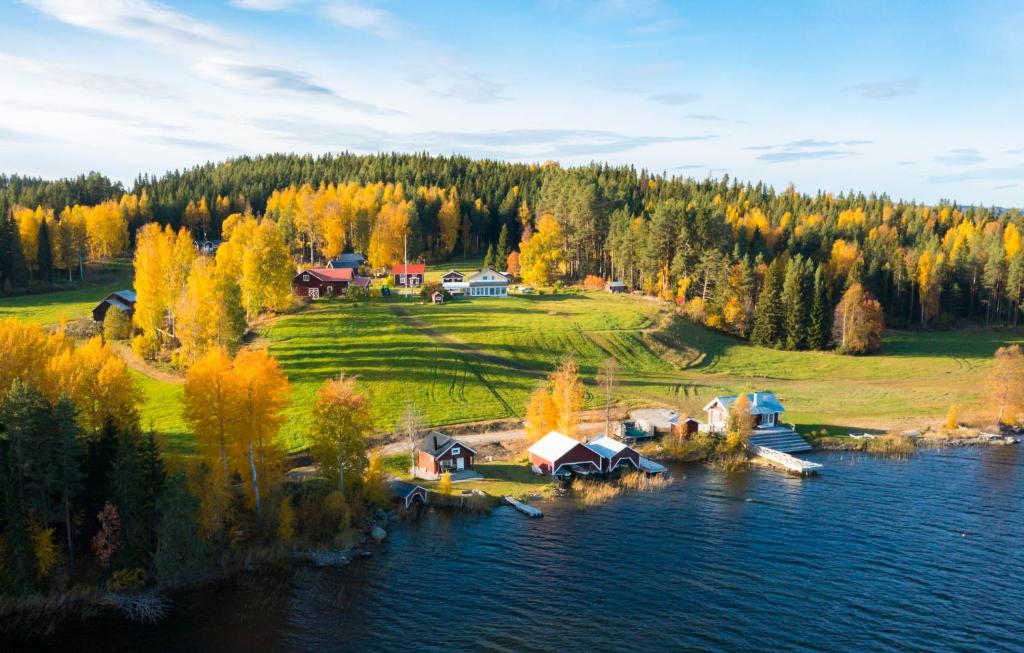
column 487, row 283
column 764, row 406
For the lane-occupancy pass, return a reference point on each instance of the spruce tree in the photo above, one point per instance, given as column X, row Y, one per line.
column 503, row 250
column 180, row 551
column 795, row 304
column 44, row 257
column 820, row 329
column 769, row 315
column 67, row 467
column 489, row 258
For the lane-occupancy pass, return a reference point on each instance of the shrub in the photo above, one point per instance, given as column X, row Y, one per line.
column 700, row 447
column 892, row 446
column 127, row 580
column 146, row 347
column 593, row 282
column 444, row 484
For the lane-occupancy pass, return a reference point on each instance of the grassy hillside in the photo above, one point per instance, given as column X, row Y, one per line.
column 77, row 303
column 479, row 359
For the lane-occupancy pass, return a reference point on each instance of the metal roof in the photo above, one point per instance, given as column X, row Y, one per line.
column 553, row 446
column 761, row 403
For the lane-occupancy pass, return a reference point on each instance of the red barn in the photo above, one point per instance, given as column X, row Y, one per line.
column 323, row 282
column 409, row 275
column 556, row 454
column 614, row 454
column 437, row 453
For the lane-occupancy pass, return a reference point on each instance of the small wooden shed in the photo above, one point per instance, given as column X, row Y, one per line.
column 407, row 494
column 437, row 297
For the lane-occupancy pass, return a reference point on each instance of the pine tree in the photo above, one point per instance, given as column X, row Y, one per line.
column 44, row 254
column 489, row 258
column 769, row 315
column 820, row 330
column 180, row 550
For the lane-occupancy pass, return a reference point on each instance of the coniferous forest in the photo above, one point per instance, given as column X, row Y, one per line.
column 767, row 264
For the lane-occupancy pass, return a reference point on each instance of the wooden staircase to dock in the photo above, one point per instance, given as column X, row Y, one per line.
column 779, row 438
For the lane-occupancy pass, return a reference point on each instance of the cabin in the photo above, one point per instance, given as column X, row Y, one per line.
column 408, row 275
column 559, row 455
column 207, row 247
column 122, row 300
column 765, row 407
column 615, row 287
column 685, row 426
column 325, row 282
column 407, row 494
column 487, row 283
column 614, row 454
column 437, row 297
column 438, row 453
column 349, row 261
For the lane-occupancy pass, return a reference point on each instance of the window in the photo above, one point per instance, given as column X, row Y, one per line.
column 305, row 277
column 456, row 451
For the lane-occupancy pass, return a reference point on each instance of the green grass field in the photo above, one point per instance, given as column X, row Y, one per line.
column 77, row 303
column 472, row 360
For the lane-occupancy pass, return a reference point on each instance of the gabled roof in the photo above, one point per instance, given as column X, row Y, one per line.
column 488, row 276
column 436, row 443
column 606, row 447
column 679, row 419
column 412, row 268
column 330, row 274
column 361, row 282
column 127, row 295
column 761, row 403
column 553, row 446
column 451, row 272
column 401, row 489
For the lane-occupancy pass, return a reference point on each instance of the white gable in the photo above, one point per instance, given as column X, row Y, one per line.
column 605, row 446
column 553, row 446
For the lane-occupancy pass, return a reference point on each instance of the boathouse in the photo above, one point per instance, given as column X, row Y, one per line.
column 407, row 494
column 614, row 454
column 559, row 455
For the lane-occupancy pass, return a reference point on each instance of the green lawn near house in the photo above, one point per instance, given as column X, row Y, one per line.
column 73, row 304
column 479, row 359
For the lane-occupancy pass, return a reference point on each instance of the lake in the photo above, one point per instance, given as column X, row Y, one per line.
column 873, row 554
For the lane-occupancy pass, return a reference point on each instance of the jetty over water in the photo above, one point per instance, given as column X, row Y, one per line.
column 786, row 461
column 524, row 508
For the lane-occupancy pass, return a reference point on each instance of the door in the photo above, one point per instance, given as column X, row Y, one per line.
column 460, row 463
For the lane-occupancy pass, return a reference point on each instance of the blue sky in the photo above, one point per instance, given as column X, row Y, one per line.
column 921, row 100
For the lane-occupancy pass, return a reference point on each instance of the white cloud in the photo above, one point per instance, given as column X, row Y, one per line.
column 37, row 70
column 138, row 20
column 884, row 90
column 363, row 17
column 267, row 5
column 273, row 79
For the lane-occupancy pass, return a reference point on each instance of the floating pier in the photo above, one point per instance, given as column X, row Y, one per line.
column 787, row 462
column 524, row 508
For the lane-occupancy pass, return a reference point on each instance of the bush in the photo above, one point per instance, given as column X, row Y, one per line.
column 145, row 346
column 116, row 325
column 593, row 282
column 431, row 287
column 127, row 580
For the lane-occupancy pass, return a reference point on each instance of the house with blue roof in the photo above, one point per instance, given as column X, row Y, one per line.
column 769, row 430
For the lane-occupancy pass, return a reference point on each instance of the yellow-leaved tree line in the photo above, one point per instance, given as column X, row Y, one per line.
column 198, row 302
column 373, row 218
column 90, row 374
column 79, row 233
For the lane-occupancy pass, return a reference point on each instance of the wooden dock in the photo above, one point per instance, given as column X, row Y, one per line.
column 787, row 462
column 524, row 508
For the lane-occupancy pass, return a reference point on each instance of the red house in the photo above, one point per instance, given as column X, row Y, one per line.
column 560, row 455
column 614, row 454
column 324, row 282
column 437, row 453
column 408, row 275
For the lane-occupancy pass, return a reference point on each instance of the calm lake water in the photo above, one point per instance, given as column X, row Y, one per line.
column 926, row 554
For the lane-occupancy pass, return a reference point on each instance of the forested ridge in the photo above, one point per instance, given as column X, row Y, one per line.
column 707, row 244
